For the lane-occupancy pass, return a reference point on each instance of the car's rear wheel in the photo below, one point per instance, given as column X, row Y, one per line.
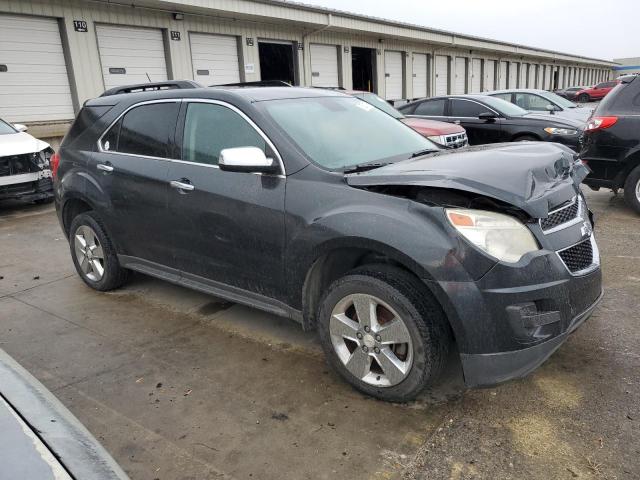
column 632, row 189
column 584, row 98
column 93, row 253
column 383, row 332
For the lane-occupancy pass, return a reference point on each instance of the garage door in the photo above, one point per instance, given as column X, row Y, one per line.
column 513, row 75
column 420, row 75
column 460, row 84
column 502, row 81
column 124, row 65
column 215, row 58
column 393, row 75
column 34, row 85
column 442, row 75
column 324, row 66
column 522, row 78
column 476, row 75
column 532, row 76
column 547, row 77
column 490, row 75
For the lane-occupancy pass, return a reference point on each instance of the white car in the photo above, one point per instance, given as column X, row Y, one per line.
column 24, row 165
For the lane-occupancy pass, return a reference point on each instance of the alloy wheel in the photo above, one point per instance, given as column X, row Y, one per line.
column 638, row 190
column 89, row 253
column 371, row 340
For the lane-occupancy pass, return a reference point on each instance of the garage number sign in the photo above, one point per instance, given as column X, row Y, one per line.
column 175, row 35
column 80, row 26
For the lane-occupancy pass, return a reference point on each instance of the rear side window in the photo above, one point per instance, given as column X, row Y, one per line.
column 145, row 130
column 210, row 128
column 503, row 96
column 466, row 108
column 431, row 107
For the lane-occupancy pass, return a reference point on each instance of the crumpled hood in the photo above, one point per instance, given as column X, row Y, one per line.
column 533, row 176
column 19, row 143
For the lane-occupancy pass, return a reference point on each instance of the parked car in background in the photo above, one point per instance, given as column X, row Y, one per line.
column 40, row 439
column 24, row 165
column 596, row 92
column 541, row 101
column 612, row 142
column 569, row 92
column 313, row 205
column 493, row 120
column 444, row 134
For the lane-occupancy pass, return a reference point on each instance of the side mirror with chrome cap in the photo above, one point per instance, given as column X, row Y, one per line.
column 20, row 127
column 246, row 159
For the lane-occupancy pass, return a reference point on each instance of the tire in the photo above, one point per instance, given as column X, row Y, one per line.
column 398, row 294
column 632, row 189
column 583, row 98
column 526, row 138
column 111, row 275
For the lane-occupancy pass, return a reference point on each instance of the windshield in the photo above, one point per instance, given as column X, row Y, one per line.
column 6, row 129
column 376, row 101
column 505, row 108
column 342, row 132
column 563, row 102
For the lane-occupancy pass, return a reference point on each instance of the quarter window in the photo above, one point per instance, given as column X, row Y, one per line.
column 465, row 108
column 210, row 128
column 431, row 107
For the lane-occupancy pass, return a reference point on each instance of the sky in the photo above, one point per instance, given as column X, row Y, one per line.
column 592, row 28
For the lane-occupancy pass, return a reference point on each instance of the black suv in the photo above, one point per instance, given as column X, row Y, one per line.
column 314, row 205
column 612, row 141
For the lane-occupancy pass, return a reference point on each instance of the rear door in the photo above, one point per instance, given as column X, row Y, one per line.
column 480, row 131
column 131, row 167
column 226, row 227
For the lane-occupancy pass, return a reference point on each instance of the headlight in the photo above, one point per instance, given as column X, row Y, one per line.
column 501, row 236
column 560, row 131
column 44, row 158
column 437, row 139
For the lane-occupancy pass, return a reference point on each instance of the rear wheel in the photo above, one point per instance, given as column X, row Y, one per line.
column 383, row 332
column 93, row 253
column 632, row 189
column 584, row 98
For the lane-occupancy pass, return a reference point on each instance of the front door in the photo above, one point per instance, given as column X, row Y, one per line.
column 131, row 168
column 479, row 130
column 226, row 227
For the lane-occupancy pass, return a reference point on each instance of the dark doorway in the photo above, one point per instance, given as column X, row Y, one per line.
column 363, row 69
column 276, row 62
column 556, row 76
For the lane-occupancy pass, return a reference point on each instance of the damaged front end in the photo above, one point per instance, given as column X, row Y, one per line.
column 26, row 176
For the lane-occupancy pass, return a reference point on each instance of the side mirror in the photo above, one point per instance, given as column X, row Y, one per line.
column 246, row 159
column 20, row 127
column 551, row 108
column 488, row 116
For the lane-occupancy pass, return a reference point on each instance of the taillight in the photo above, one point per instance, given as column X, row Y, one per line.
column 54, row 163
column 600, row 123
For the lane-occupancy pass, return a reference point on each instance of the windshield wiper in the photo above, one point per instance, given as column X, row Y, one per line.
column 423, row 152
column 363, row 167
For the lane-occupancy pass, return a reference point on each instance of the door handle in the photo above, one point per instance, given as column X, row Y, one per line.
column 105, row 167
column 181, row 185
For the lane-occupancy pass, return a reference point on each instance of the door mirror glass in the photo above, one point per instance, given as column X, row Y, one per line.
column 20, row 127
column 246, row 159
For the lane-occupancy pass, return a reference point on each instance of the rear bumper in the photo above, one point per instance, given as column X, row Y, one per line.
column 487, row 369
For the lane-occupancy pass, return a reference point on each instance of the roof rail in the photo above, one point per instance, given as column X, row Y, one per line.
column 261, row 83
column 152, row 86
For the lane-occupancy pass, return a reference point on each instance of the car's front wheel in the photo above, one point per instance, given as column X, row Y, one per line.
column 93, row 253
column 383, row 332
column 632, row 189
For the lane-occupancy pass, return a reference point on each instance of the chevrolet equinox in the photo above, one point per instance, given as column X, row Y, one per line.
column 317, row 206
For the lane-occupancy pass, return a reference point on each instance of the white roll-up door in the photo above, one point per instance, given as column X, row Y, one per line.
column 442, row 75
column 324, row 65
column 131, row 55
column 214, row 58
column 476, row 75
column 34, row 84
column 532, row 76
column 460, row 84
column 547, row 77
column 420, row 75
column 513, row 75
column 490, row 75
column 393, row 75
column 522, row 79
column 502, row 81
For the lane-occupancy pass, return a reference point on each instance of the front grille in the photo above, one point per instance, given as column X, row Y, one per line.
column 456, row 140
column 16, row 164
column 579, row 257
column 562, row 215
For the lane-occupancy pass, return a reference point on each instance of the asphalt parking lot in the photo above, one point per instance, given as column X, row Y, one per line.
column 179, row 385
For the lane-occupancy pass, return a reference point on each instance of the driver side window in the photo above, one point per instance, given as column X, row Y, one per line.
column 210, row 128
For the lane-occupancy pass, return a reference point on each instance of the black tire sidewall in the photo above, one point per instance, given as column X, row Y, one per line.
column 630, row 186
column 583, row 98
column 423, row 368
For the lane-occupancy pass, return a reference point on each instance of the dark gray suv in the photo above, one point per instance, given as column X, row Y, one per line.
column 314, row 205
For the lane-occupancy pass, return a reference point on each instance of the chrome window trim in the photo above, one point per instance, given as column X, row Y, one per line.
column 595, row 253
column 175, row 160
column 579, row 216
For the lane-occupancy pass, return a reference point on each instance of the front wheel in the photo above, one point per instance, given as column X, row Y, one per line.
column 632, row 189
column 383, row 332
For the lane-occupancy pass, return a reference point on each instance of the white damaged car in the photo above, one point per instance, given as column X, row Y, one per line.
column 25, row 171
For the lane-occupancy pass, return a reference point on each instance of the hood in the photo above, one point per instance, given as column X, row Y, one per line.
column 19, row 143
column 579, row 114
column 555, row 119
column 533, row 176
column 431, row 127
